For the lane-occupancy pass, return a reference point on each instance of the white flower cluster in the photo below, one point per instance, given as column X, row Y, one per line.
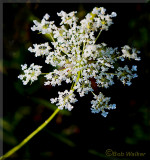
column 45, row 26
column 30, row 74
column 100, row 21
column 126, row 53
column 125, row 75
column 77, row 58
column 42, row 49
column 100, row 104
column 65, row 99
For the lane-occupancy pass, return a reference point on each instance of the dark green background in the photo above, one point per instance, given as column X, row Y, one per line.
column 79, row 132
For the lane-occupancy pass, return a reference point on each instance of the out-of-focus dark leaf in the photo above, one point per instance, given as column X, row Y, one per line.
column 131, row 140
column 6, row 125
column 62, row 138
column 71, row 130
column 81, row 13
column 6, row 132
column 46, row 154
column 30, row 89
column 144, row 110
column 50, row 106
column 9, row 138
column 98, row 154
column 20, row 114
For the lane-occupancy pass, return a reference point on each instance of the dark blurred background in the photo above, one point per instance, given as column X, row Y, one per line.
column 79, row 132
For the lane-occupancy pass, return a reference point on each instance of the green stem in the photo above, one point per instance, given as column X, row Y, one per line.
column 93, row 93
column 44, row 73
column 16, row 148
column 98, row 35
column 111, row 73
column 55, row 41
column 52, row 37
column 76, row 80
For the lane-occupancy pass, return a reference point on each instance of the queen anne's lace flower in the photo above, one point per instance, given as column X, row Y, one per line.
column 42, row 49
column 64, row 100
column 127, row 54
column 100, row 104
column 77, row 58
column 30, row 74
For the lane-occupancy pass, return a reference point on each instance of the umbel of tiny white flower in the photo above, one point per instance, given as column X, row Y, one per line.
column 77, row 58
column 30, row 74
